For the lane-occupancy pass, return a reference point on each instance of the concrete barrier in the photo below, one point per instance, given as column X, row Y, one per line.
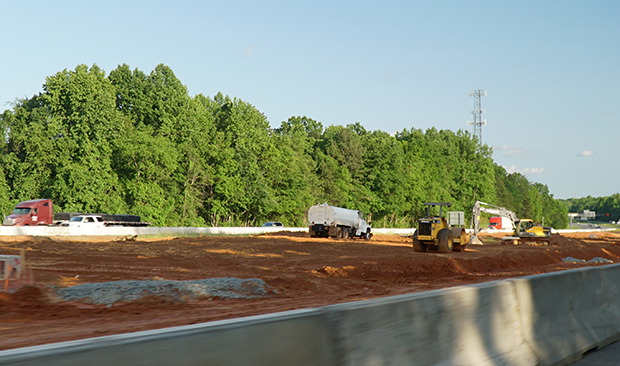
column 140, row 231
column 471, row 325
column 565, row 314
column 389, row 231
column 290, row 338
column 163, row 231
column 181, row 231
column 548, row 319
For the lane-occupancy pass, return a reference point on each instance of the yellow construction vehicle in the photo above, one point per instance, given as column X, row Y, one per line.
column 434, row 232
column 524, row 230
column 527, row 230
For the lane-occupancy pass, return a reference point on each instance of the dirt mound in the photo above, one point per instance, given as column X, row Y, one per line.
column 31, row 303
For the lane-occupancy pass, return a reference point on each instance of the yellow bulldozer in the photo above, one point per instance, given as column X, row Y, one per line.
column 434, row 232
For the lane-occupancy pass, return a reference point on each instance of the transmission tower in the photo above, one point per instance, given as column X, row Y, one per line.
column 477, row 113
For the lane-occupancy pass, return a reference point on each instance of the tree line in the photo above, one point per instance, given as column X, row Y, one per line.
column 606, row 208
column 132, row 142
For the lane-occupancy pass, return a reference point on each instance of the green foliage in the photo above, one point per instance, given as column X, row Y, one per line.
column 606, row 208
column 137, row 143
column 6, row 204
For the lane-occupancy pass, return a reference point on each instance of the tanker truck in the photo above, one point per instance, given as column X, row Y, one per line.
column 329, row 221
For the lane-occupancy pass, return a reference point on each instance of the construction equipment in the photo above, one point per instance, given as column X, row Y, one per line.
column 435, row 233
column 523, row 229
column 325, row 220
column 527, row 230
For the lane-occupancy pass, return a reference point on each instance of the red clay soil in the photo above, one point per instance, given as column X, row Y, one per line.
column 304, row 272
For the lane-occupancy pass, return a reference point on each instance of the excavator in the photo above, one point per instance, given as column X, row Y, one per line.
column 524, row 230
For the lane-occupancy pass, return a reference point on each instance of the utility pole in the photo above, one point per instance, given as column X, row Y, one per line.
column 477, row 113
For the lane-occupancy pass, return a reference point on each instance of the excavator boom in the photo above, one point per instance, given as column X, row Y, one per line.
column 480, row 207
column 523, row 228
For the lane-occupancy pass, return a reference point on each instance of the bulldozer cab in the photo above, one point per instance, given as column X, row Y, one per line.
column 433, row 222
column 524, row 226
column 431, row 205
column 528, row 228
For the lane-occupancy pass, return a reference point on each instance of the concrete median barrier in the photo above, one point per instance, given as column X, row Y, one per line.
column 548, row 319
column 472, row 325
column 174, row 231
column 140, row 231
column 163, row 231
column 290, row 338
column 564, row 314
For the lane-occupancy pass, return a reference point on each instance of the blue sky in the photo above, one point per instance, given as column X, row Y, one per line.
column 551, row 68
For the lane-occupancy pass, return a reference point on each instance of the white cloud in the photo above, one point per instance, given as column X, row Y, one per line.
column 535, row 170
column 585, row 153
column 510, row 169
column 249, row 51
column 513, row 169
column 509, row 151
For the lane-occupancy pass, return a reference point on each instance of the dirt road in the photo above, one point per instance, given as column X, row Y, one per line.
column 303, row 271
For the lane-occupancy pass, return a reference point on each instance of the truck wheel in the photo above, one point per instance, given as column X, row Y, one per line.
column 338, row 233
column 345, row 233
column 418, row 246
column 444, row 241
column 367, row 235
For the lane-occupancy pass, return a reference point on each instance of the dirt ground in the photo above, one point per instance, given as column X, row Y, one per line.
column 303, row 271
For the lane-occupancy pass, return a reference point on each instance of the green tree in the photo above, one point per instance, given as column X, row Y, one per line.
column 6, row 204
column 134, row 142
column 383, row 179
column 146, row 163
column 84, row 118
column 240, row 192
column 292, row 171
column 58, row 142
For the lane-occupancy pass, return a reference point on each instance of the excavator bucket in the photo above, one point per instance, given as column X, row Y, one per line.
column 474, row 240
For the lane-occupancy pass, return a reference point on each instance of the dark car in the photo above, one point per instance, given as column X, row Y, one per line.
column 272, row 223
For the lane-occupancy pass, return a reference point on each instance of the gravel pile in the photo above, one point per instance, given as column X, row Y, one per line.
column 593, row 260
column 111, row 292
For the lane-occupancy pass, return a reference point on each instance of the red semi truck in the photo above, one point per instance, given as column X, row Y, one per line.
column 41, row 212
column 501, row 223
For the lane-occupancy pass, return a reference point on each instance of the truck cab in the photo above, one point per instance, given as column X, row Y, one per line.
column 31, row 213
column 495, row 223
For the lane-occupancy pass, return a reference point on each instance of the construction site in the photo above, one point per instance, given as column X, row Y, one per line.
column 295, row 271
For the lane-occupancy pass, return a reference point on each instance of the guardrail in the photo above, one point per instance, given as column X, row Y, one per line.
column 547, row 319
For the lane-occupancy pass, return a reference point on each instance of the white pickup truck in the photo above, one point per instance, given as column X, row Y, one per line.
column 85, row 221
